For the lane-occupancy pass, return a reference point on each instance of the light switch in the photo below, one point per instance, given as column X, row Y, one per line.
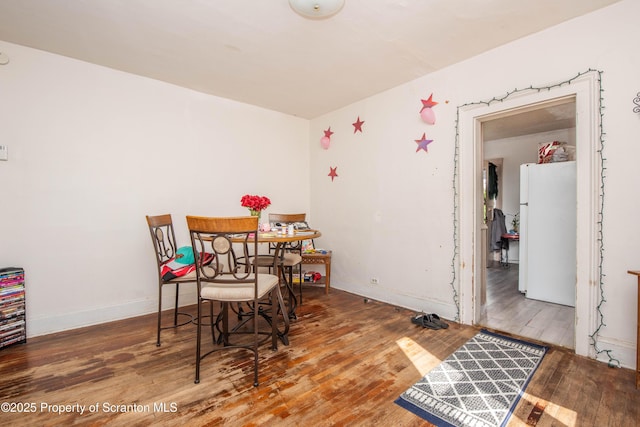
column 4, row 152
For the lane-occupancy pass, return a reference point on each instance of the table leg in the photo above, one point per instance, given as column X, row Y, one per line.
column 291, row 314
column 277, row 266
column 327, row 281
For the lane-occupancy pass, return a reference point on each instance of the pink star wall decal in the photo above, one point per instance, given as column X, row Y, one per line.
column 328, row 132
column 333, row 173
column 428, row 103
column 357, row 126
column 422, row 143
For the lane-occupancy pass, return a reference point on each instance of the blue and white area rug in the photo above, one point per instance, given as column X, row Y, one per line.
column 479, row 385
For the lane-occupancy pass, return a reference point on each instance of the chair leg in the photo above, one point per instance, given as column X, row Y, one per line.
column 225, row 323
column 300, row 280
column 175, row 309
column 274, row 320
column 213, row 323
column 293, row 301
column 159, row 313
column 291, row 280
column 198, row 334
column 285, row 317
column 255, row 345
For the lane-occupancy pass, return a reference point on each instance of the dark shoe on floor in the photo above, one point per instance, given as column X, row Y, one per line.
column 434, row 318
column 425, row 321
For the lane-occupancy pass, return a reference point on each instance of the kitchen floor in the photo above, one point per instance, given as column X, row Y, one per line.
column 510, row 311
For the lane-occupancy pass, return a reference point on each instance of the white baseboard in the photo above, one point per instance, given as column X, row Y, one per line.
column 37, row 326
column 446, row 311
column 623, row 351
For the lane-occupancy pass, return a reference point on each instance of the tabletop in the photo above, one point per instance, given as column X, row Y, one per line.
column 510, row 236
column 274, row 237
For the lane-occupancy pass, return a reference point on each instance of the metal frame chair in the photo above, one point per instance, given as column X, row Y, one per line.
column 165, row 247
column 228, row 282
column 291, row 256
column 302, row 258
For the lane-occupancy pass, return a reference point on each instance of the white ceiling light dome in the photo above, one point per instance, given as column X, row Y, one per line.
column 316, row 9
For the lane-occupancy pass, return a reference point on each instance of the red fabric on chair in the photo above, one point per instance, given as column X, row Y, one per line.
column 173, row 269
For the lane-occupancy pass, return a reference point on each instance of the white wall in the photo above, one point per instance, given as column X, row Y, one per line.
column 93, row 150
column 86, row 145
column 389, row 214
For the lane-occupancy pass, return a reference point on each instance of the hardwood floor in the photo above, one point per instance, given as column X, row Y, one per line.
column 348, row 360
column 509, row 310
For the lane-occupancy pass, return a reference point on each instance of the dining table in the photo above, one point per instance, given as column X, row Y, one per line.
column 280, row 238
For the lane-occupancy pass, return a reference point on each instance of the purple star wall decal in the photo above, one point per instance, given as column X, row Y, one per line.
column 423, row 142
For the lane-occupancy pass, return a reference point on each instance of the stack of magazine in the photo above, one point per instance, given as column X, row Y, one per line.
column 12, row 307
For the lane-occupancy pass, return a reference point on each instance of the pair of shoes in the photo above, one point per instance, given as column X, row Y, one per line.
column 438, row 321
column 425, row 321
column 430, row 321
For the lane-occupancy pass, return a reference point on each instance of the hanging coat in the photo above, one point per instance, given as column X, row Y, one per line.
column 498, row 228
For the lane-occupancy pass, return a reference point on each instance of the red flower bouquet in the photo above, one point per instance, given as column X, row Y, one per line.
column 255, row 203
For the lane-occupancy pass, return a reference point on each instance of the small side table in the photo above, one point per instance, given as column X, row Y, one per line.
column 320, row 258
column 504, row 240
column 637, row 273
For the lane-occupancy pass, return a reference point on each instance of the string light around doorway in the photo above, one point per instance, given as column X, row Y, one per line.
column 613, row 362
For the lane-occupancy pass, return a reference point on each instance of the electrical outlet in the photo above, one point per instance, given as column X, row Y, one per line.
column 373, row 280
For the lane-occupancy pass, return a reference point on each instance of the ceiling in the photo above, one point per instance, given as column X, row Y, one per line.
column 549, row 117
column 262, row 53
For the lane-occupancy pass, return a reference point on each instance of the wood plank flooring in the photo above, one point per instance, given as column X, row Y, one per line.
column 347, row 362
column 510, row 311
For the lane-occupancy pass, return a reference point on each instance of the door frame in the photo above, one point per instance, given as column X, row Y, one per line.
column 586, row 90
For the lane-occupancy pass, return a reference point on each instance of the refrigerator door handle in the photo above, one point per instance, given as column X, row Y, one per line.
column 524, row 204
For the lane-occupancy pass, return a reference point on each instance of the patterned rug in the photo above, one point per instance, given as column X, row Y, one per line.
column 479, row 385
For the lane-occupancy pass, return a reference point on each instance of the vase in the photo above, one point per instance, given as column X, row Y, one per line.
column 255, row 213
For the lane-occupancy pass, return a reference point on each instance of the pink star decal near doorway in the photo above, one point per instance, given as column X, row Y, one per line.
column 422, row 143
column 328, row 132
column 357, row 126
column 428, row 103
column 333, row 173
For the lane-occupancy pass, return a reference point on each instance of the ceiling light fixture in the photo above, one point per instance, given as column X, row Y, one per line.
column 316, row 9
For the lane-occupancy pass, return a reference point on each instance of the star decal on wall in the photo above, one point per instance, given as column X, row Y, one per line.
column 422, row 143
column 357, row 126
column 325, row 141
column 333, row 173
column 428, row 103
column 427, row 114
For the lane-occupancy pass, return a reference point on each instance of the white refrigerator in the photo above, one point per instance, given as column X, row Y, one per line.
column 547, row 266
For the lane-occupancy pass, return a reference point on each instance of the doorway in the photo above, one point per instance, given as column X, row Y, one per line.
column 586, row 91
column 508, row 142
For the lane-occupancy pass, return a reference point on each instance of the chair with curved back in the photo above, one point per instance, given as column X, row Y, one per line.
column 166, row 251
column 296, row 256
column 291, row 256
column 228, row 282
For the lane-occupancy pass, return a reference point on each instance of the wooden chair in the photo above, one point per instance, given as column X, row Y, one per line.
column 291, row 256
column 164, row 244
column 225, row 281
